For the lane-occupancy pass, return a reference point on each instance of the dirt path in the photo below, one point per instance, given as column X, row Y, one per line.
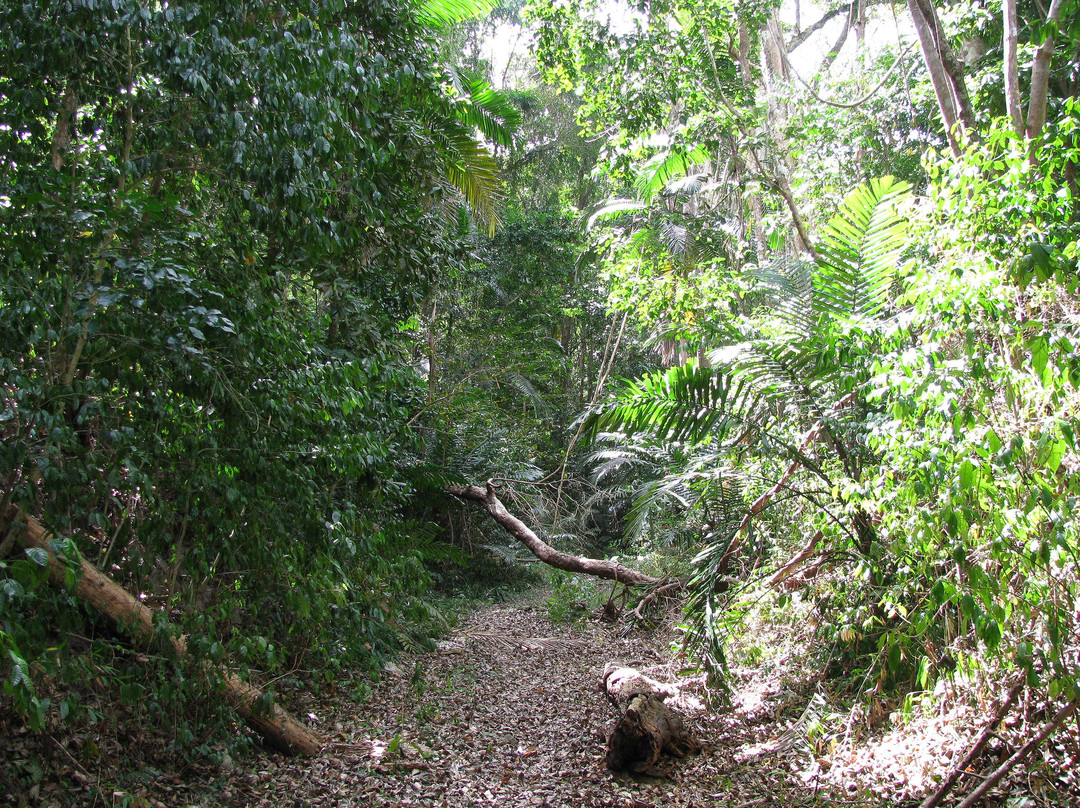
column 509, row 713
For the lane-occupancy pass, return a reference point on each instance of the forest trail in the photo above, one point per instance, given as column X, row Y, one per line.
column 508, row 712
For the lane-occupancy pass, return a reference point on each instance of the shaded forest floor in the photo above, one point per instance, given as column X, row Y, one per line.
column 509, row 712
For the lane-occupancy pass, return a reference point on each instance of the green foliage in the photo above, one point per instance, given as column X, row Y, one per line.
column 445, row 12
column 979, row 421
column 570, row 597
column 630, row 74
column 818, row 337
column 1028, row 202
column 215, row 220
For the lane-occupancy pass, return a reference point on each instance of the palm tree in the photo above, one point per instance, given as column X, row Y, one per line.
column 476, row 107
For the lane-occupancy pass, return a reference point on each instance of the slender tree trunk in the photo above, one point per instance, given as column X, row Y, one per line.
column 946, row 73
column 432, row 357
column 834, row 51
column 1040, row 74
column 65, row 121
column 1012, row 69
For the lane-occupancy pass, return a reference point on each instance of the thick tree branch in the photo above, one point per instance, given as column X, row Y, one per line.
column 793, row 563
column 611, row 570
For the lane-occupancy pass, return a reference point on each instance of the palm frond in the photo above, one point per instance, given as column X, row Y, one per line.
column 473, row 171
column 857, row 259
column 677, row 240
column 688, row 404
column 443, row 13
column 788, row 289
column 509, row 641
column 652, row 495
column 608, row 461
column 690, row 185
column 658, row 171
column 612, row 210
column 482, row 107
column 782, row 372
column 528, row 391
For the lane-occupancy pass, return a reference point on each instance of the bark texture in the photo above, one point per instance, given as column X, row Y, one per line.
column 648, row 729
column 946, row 72
column 277, row 727
column 611, row 570
column 1040, row 73
column 1010, row 37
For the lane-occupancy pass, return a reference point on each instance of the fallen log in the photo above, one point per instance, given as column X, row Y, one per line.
column 648, row 728
column 277, row 727
column 611, row 570
column 621, row 684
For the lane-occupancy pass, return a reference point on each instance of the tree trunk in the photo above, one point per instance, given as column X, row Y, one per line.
column 945, row 75
column 611, row 570
column 1040, row 74
column 647, row 729
column 274, row 724
column 65, row 122
column 1011, row 67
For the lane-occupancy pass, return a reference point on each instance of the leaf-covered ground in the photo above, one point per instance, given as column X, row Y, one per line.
column 509, row 711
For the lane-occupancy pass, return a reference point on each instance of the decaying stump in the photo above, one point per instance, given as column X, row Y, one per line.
column 621, row 684
column 648, row 728
column 275, row 725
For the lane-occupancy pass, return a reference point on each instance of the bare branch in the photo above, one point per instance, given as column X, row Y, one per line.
column 802, row 36
column 611, row 570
